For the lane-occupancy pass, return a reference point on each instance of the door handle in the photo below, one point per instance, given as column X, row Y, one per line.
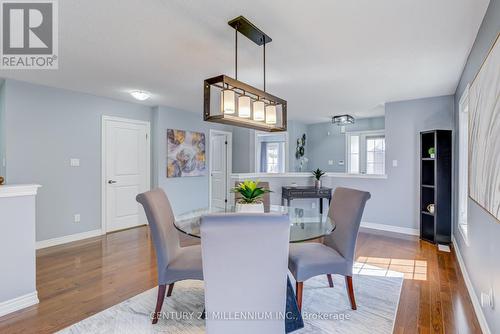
column 111, row 181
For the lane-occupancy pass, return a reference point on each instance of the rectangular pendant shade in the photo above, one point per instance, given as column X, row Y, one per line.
column 244, row 106
column 258, row 111
column 227, row 101
column 271, row 114
column 232, row 102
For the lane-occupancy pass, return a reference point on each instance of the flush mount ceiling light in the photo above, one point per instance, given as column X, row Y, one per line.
column 140, row 95
column 229, row 101
column 343, row 120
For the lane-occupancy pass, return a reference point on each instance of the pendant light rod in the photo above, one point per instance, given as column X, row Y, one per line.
column 264, row 48
column 249, row 30
column 236, row 51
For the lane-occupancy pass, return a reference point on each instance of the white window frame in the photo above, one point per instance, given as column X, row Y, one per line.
column 257, row 146
column 362, row 148
column 463, row 164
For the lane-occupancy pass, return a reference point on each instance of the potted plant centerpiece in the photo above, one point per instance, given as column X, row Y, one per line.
column 251, row 196
column 318, row 173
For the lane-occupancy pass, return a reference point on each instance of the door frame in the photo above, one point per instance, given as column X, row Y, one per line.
column 104, row 119
column 229, row 163
column 256, row 159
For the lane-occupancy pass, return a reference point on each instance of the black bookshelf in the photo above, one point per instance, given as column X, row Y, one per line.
column 435, row 186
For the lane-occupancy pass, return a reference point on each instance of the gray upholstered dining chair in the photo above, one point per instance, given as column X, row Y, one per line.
column 174, row 263
column 245, row 270
column 336, row 254
column 266, row 198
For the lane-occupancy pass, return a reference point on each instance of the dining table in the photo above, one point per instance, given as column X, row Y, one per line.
column 305, row 224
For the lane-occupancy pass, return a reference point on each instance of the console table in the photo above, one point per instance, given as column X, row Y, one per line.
column 289, row 193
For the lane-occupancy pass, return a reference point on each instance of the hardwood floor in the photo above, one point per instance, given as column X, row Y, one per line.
column 77, row 280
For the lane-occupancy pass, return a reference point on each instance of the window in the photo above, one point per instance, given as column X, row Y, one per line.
column 366, row 152
column 272, row 158
column 375, row 155
column 270, row 152
column 354, row 154
column 463, row 142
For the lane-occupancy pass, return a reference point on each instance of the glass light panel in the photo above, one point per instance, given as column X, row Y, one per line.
column 244, row 106
column 227, row 101
column 258, row 111
column 271, row 114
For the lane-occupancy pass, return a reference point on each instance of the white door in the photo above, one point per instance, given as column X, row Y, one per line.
column 219, row 167
column 126, row 163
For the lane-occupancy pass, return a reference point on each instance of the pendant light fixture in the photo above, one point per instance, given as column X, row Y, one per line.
column 342, row 120
column 241, row 104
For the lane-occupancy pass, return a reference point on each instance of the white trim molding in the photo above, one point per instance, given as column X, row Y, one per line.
column 468, row 283
column 18, row 303
column 16, row 190
column 391, row 228
column 304, row 175
column 68, row 238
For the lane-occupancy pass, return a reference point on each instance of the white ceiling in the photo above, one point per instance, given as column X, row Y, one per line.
column 327, row 57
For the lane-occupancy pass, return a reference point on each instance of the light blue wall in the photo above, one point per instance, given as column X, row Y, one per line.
column 395, row 200
column 398, row 198
column 481, row 256
column 295, row 130
column 243, row 150
column 45, row 127
column 326, row 142
column 185, row 193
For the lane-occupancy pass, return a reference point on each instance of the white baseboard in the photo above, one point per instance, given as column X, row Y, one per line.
column 18, row 303
column 390, row 228
column 67, row 238
column 468, row 283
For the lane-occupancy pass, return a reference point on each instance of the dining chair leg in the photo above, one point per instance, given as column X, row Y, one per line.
column 330, row 280
column 170, row 288
column 159, row 302
column 350, row 291
column 298, row 291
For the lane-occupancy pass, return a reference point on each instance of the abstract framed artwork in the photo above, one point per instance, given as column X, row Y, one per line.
column 185, row 153
column 484, row 134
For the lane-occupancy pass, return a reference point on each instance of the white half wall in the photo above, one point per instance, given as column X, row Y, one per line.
column 17, row 247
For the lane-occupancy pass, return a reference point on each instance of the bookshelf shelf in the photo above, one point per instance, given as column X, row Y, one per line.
column 435, row 186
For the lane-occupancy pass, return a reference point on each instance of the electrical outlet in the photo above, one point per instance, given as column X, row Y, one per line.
column 77, row 218
column 487, row 299
column 394, row 163
column 73, row 162
column 313, row 205
column 330, row 162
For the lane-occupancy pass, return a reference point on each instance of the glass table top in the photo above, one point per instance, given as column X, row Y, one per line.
column 305, row 224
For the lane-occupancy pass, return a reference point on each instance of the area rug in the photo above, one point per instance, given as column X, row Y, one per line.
column 325, row 309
